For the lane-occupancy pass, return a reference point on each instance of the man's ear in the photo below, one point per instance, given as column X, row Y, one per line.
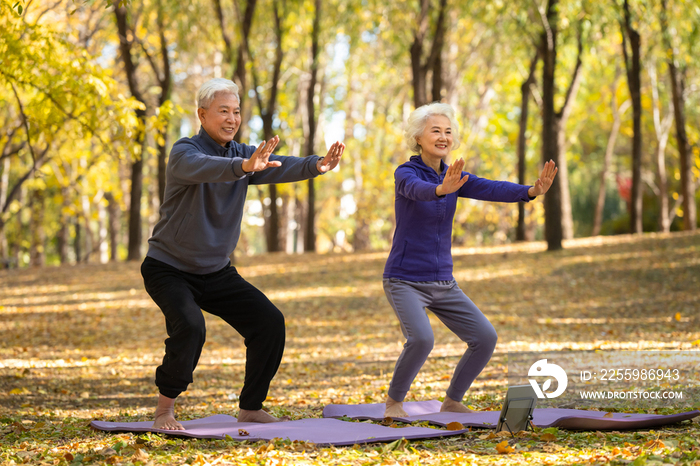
column 201, row 113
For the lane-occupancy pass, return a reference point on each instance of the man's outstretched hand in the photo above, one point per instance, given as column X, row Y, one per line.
column 544, row 182
column 330, row 161
column 260, row 160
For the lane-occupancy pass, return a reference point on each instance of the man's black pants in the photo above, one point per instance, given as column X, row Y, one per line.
column 182, row 297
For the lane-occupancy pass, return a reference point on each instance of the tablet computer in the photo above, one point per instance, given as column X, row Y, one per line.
column 518, row 406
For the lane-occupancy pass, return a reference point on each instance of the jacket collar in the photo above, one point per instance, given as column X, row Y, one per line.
column 416, row 159
column 212, row 146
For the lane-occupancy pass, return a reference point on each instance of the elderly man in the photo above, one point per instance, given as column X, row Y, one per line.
column 187, row 268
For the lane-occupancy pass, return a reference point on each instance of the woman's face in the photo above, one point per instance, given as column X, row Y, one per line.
column 436, row 140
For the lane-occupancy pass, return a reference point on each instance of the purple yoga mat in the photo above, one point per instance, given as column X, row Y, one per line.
column 319, row 431
column 574, row 419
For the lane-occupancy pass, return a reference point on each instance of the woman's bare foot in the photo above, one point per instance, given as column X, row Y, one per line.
column 394, row 408
column 246, row 415
column 452, row 406
column 165, row 415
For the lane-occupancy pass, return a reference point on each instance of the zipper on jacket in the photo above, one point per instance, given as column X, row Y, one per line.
column 441, row 216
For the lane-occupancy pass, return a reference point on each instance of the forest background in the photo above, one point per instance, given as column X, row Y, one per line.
column 93, row 94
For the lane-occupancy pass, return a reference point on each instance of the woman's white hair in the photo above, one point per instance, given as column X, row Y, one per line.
column 418, row 119
column 209, row 90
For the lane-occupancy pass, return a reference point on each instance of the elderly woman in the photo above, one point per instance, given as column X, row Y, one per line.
column 418, row 272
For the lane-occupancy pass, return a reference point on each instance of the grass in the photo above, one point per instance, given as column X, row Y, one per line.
column 79, row 343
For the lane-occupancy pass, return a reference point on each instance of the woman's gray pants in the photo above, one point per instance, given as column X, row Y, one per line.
column 450, row 304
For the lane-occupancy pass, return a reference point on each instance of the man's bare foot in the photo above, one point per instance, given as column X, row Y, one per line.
column 165, row 415
column 452, row 406
column 394, row 408
column 246, row 415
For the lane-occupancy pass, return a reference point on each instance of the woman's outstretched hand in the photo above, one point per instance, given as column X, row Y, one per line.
column 453, row 179
column 260, row 160
column 332, row 158
column 544, row 182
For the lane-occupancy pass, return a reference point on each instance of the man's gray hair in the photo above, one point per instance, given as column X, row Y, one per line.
column 418, row 119
column 209, row 90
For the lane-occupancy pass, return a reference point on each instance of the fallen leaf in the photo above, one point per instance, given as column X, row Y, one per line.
column 488, row 436
column 608, row 415
column 654, row 444
column 69, row 457
column 140, row 455
column 19, row 427
column 455, row 426
column 243, row 432
column 548, row 437
column 677, row 317
column 503, row 448
column 107, row 451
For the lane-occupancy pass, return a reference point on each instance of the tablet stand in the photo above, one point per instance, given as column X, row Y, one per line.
column 528, row 418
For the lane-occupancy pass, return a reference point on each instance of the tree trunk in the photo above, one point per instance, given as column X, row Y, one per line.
column 310, row 231
column 135, row 234
column 434, row 61
column 550, row 141
column 684, row 152
column 37, row 247
column 607, row 160
column 520, row 233
column 4, row 188
column 63, row 235
column 662, row 128
column 267, row 112
column 686, row 155
column 102, row 228
column 113, row 216
column 135, row 224
column 89, row 239
column 239, row 74
column 633, row 68
column 567, row 220
column 165, row 81
column 77, row 247
column 557, row 201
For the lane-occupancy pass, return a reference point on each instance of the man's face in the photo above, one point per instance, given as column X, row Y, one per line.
column 222, row 119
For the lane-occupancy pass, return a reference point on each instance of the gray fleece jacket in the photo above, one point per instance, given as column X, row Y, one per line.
column 204, row 195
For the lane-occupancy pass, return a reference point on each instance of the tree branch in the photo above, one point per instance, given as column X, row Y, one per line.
column 438, row 40
column 149, row 57
column 24, row 122
column 575, row 80
column 224, row 34
column 545, row 24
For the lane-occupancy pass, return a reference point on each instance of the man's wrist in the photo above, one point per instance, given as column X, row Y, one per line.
column 319, row 163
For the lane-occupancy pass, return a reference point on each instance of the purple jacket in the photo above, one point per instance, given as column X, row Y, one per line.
column 421, row 249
